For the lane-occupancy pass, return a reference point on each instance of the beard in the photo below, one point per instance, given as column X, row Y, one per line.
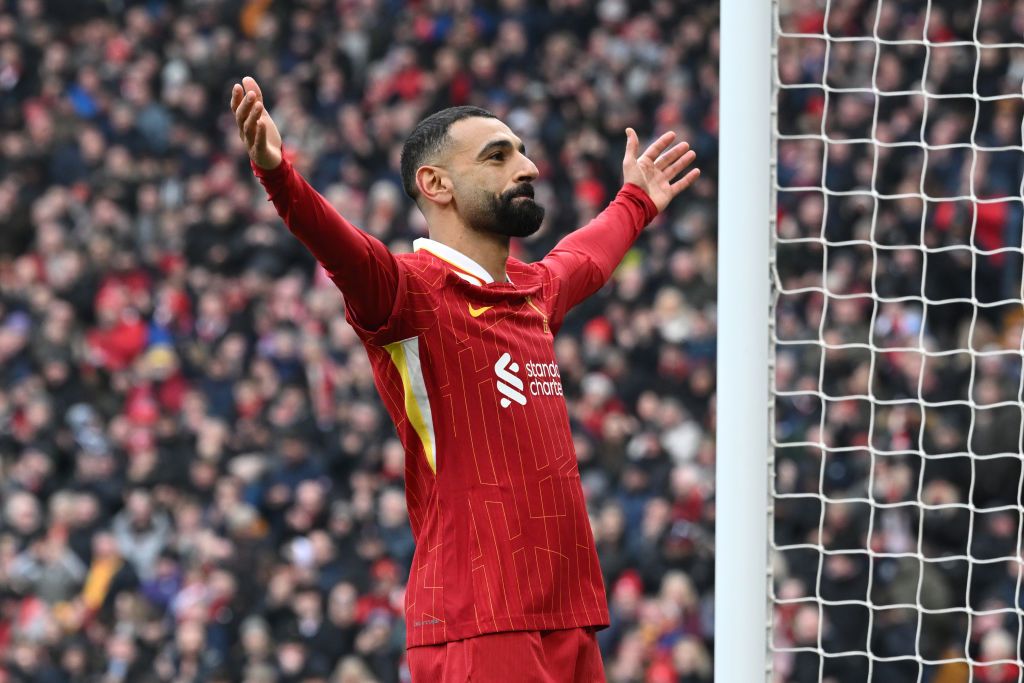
column 513, row 213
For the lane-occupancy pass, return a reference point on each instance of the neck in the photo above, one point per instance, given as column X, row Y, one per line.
column 487, row 249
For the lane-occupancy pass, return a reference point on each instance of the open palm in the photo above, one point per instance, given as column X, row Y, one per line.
column 654, row 170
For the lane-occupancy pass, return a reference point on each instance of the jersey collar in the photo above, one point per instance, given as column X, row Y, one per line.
column 464, row 267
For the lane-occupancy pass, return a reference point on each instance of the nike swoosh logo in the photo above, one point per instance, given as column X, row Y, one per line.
column 477, row 312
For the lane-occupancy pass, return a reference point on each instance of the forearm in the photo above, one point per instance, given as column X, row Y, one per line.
column 359, row 264
column 585, row 259
column 605, row 240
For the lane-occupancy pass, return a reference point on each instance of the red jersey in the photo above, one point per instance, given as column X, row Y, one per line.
column 466, row 368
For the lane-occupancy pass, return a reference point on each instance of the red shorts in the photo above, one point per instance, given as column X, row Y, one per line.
column 563, row 656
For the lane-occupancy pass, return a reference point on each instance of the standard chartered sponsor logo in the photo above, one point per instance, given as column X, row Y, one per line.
column 509, row 384
column 545, row 380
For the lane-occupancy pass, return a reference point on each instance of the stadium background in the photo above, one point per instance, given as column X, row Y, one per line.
column 198, row 482
column 198, row 476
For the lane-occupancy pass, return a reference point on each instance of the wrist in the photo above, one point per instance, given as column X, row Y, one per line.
column 639, row 194
column 269, row 163
column 276, row 171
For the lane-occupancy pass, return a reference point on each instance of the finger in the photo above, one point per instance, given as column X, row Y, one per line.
column 659, row 146
column 684, row 182
column 249, row 102
column 250, row 123
column 632, row 144
column 244, row 109
column 677, row 167
column 672, row 154
column 237, row 93
column 250, row 84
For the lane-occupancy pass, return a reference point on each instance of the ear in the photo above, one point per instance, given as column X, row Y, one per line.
column 434, row 184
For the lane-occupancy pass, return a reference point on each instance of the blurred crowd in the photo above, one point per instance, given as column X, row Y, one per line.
column 198, row 483
column 899, row 321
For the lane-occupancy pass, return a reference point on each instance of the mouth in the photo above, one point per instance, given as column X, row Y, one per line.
column 525, row 192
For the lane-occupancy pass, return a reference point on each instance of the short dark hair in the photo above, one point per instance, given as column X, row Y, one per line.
column 429, row 138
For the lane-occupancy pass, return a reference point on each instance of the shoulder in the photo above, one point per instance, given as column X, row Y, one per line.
column 422, row 267
column 533, row 276
column 524, row 273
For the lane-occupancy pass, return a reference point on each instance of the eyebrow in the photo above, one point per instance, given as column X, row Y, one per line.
column 495, row 145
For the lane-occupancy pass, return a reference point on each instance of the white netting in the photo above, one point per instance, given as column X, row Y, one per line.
column 898, row 313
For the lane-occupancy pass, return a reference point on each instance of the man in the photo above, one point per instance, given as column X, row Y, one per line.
column 505, row 583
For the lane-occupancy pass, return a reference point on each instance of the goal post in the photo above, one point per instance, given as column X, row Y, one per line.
column 742, row 404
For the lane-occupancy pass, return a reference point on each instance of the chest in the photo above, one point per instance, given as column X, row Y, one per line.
column 510, row 321
column 499, row 352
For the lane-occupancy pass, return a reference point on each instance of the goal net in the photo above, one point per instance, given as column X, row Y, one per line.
column 896, row 340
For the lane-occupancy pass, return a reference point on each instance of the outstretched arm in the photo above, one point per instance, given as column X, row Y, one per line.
column 586, row 258
column 359, row 264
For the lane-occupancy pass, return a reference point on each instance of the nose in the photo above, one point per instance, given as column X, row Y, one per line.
column 528, row 173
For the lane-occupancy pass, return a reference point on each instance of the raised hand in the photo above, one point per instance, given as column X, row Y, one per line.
column 255, row 127
column 654, row 170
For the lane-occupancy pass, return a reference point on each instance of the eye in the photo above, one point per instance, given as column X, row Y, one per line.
column 498, row 156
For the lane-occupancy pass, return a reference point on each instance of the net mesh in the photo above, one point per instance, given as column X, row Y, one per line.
column 898, row 314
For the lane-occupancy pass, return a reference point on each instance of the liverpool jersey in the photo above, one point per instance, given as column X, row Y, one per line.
column 467, row 371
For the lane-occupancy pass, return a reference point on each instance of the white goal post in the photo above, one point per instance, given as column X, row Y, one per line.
column 870, row 465
column 742, row 403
